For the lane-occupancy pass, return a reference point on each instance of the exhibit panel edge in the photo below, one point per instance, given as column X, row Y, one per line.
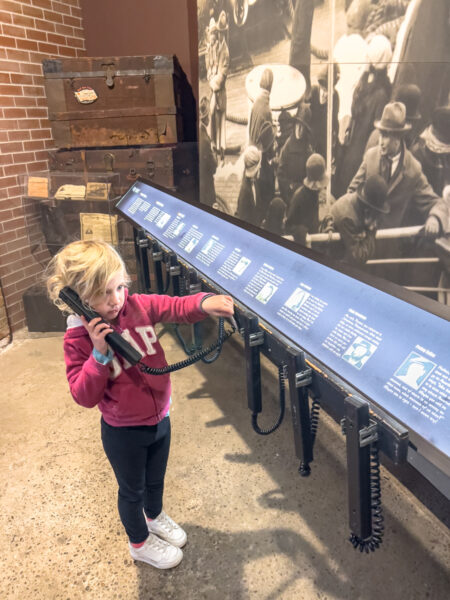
column 349, row 325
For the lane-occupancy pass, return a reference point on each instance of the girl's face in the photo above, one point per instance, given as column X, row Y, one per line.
column 111, row 301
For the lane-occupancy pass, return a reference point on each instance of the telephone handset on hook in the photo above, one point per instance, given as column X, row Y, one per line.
column 125, row 349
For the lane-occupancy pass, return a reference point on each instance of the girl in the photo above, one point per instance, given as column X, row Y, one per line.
column 135, row 424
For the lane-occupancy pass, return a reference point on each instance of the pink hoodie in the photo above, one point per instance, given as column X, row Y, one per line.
column 124, row 394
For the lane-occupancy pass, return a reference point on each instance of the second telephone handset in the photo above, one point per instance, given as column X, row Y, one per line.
column 125, row 349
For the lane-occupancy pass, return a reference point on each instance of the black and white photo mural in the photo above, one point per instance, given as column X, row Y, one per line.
column 328, row 122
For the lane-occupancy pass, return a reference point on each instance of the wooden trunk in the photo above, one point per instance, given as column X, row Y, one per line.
column 173, row 167
column 118, row 101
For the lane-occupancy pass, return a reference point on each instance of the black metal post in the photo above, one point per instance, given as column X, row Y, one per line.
column 253, row 338
column 174, row 271
column 356, row 425
column 157, row 260
column 141, row 244
column 299, row 377
column 191, row 286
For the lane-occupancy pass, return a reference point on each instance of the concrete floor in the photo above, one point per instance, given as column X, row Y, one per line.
column 256, row 530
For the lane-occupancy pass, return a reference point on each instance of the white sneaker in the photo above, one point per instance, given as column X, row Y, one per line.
column 158, row 553
column 168, row 530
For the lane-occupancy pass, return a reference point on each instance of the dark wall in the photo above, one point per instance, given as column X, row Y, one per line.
column 136, row 27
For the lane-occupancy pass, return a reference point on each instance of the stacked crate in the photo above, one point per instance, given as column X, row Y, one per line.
column 134, row 115
column 131, row 116
column 113, row 119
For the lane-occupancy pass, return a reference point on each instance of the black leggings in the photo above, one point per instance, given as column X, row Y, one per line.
column 138, row 456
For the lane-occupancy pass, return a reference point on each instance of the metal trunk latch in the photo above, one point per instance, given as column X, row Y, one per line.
column 108, row 160
column 150, row 168
column 110, row 74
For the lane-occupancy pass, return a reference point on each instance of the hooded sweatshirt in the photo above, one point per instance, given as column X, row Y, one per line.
column 124, row 394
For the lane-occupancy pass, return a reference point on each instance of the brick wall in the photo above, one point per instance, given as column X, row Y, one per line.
column 31, row 30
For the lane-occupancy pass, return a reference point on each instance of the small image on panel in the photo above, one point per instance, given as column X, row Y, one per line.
column 191, row 245
column 266, row 293
column 162, row 220
column 207, row 247
column 241, row 265
column 415, row 370
column 297, row 299
column 178, row 229
column 359, row 352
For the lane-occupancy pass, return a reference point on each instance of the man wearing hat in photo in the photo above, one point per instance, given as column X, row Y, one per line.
column 356, row 216
column 249, row 195
column 261, row 133
column 432, row 149
column 285, row 127
column 208, row 162
column 319, row 109
column 409, row 94
column 303, row 214
column 212, row 45
column 371, row 94
column 411, row 199
column 296, row 151
column 219, row 94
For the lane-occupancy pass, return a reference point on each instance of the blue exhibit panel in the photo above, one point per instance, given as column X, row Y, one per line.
column 394, row 352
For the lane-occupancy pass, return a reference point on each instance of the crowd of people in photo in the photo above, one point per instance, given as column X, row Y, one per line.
column 389, row 167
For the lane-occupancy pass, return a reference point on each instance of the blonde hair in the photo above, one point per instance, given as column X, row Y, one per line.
column 84, row 266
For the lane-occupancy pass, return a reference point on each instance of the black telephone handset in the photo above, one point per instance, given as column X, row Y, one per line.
column 125, row 349
column 114, row 339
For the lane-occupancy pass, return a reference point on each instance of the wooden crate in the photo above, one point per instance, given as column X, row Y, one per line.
column 174, row 167
column 119, row 101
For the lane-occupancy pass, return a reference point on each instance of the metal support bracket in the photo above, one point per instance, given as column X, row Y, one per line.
column 141, row 246
column 157, row 256
column 142, row 242
column 358, row 433
column 300, row 377
column 368, row 435
column 256, row 339
column 253, row 338
column 304, row 378
column 174, row 270
column 195, row 288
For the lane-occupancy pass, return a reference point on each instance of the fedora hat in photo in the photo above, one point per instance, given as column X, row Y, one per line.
column 437, row 135
column 222, row 22
column 373, row 193
column 393, row 118
column 252, row 160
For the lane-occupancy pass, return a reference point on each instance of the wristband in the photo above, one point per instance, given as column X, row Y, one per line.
column 102, row 358
column 203, row 299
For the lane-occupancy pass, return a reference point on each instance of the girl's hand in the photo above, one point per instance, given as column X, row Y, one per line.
column 97, row 331
column 218, row 306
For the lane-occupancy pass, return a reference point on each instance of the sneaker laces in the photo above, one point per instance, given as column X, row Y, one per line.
column 158, row 544
column 166, row 522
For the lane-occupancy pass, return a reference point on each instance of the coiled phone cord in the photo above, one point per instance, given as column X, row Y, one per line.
column 375, row 539
column 223, row 335
column 282, row 387
column 210, row 359
column 197, row 347
column 315, row 414
column 188, row 350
